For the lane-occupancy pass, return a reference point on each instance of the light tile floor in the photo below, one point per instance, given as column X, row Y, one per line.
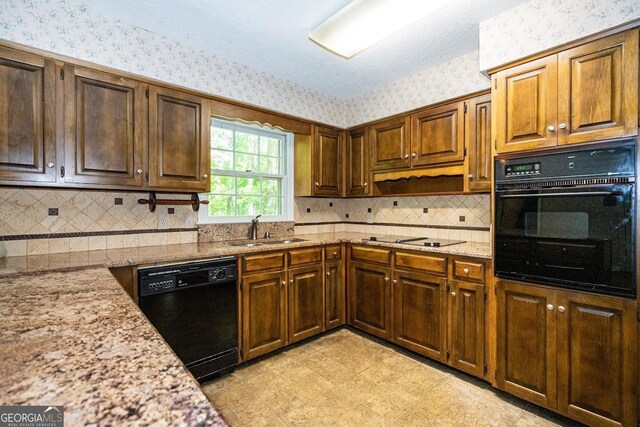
column 345, row 379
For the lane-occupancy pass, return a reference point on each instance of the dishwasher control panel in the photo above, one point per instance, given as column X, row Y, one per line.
column 156, row 280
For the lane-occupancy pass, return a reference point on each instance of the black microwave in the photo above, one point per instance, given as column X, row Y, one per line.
column 567, row 219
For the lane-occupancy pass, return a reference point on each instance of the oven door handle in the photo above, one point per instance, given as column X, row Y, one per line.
column 586, row 193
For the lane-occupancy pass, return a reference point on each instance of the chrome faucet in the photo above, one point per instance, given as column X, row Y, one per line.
column 254, row 228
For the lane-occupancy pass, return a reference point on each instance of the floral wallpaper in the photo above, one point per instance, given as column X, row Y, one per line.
column 542, row 24
column 448, row 80
column 62, row 27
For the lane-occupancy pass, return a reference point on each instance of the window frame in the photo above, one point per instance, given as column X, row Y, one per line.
column 287, row 177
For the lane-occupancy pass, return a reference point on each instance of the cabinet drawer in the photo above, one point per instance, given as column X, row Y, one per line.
column 263, row 261
column 305, row 256
column 468, row 270
column 429, row 263
column 332, row 252
column 380, row 255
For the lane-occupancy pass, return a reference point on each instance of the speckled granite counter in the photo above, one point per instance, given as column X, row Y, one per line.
column 78, row 340
column 157, row 254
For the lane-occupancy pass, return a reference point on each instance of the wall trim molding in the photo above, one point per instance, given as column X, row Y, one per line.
column 92, row 233
column 391, row 224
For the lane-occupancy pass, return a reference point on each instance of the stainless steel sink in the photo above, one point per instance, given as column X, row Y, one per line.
column 267, row 242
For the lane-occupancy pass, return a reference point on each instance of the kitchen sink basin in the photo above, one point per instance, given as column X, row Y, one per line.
column 248, row 245
column 283, row 241
column 252, row 244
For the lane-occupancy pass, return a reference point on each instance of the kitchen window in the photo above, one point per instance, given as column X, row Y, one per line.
column 251, row 174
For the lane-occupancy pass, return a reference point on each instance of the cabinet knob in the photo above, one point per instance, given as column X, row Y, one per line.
column 470, row 176
column 395, row 281
column 465, row 271
column 413, row 154
column 335, row 253
column 317, row 184
column 205, row 176
column 453, row 294
column 291, row 281
column 386, row 279
column 561, row 309
column 328, row 273
column 562, row 126
column 550, row 307
column 50, row 165
column 406, row 156
column 283, row 283
column 365, row 184
column 139, row 171
column 551, row 128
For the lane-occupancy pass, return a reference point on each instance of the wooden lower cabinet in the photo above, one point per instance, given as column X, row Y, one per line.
column 568, row 351
column 305, row 302
column 370, row 298
column 335, row 294
column 420, row 313
column 467, row 327
column 264, row 313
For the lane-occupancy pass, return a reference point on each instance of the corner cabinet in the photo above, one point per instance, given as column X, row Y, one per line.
column 327, row 163
column 28, row 122
column 572, row 352
column 584, row 94
column 179, row 138
column 358, row 166
column 105, row 125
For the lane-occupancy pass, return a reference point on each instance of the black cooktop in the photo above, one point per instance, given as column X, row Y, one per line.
column 417, row 241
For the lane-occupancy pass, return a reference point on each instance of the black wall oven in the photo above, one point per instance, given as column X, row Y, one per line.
column 568, row 219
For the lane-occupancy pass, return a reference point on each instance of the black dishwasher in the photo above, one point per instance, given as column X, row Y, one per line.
column 194, row 307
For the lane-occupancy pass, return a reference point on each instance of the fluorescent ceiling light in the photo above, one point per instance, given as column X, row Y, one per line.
column 363, row 23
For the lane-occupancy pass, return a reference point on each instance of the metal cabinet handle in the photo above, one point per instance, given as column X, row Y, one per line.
column 551, row 128
column 453, row 294
column 335, row 253
column 406, row 156
column 51, row 165
column 562, row 126
column 139, row 171
column 205, row 176
column 561, row 309
column 365, row 184
column 413, row 154
column 284, row 282
column 328, row 273
column 395, row 281
column 291, row 281
column 386, row 279
column 317, row 184
column 550, row 307
column 465, row 271
column 470, row 176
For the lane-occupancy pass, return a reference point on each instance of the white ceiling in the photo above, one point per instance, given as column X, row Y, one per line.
column 272, row 36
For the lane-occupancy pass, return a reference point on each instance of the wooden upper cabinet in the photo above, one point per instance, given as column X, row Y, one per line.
column 358, row 163
column 306, row 305
column 597, row 362
column 105, row 128
column 420, row 313
column 478, row 143
column 437, row 135
column 526, row 332
column 27, row 117
column 179, row 142
column 525, row 100
column 327, row 163
column 390, row 144
column 598, row 89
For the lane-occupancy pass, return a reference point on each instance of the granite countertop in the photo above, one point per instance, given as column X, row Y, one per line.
column 157, row 254
column 78, row 340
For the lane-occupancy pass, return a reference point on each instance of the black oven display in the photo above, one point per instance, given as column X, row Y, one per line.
column 574, row 233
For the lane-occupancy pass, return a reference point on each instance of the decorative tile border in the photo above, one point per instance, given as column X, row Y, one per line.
column 91, row 233
column 390, row 224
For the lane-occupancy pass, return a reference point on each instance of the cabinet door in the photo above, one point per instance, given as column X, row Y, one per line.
column 478, row 143
column 526, row 358
column 526, row 103
column 357, row 163
column 466, row 327
column 598, row 89
column 27, row 117
column 597, row 359
column 105, row 128
column 437, row 135
column 370, row 299
column 179, row 127
column 305, row 303
column 420, row 313
column 390, row 144
column 335, row 294
column 327, row 170
column 264, row 313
